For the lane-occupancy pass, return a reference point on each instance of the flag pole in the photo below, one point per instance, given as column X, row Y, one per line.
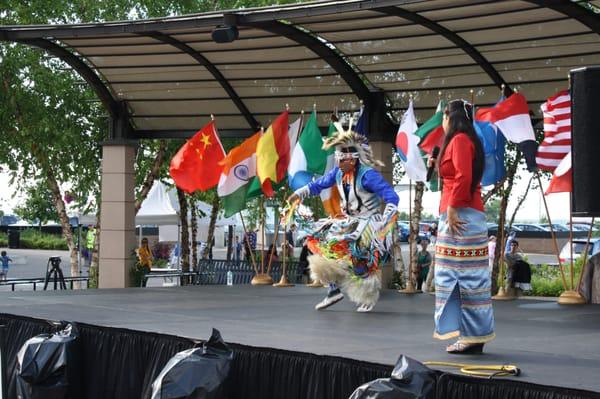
column 571, row 296
column 248, row 245
column 274, row 244
column 560, row 266
column 585, row 253
column 283, row 281
column 503, row 293
column 410, row 288
column 262, row 278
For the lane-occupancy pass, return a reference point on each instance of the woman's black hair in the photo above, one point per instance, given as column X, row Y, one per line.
column 460, row 114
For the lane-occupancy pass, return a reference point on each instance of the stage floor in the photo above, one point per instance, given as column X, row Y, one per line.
column 552, row 344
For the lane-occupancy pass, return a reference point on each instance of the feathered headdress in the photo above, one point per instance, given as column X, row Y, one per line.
column 350, row 138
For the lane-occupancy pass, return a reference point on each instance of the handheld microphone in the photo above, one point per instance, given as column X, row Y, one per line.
column 431, row 168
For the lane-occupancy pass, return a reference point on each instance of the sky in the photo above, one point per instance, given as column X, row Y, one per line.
column 531, row 210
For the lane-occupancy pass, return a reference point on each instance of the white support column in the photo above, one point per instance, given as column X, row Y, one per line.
column 383, row 151
column 117, row 226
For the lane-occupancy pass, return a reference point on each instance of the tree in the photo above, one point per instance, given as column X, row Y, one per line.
column 520, row 202
column 414, row 233
column 504, row 189
column 38, row 206
column 50, row 124
column 184, row 248
column 492, row 210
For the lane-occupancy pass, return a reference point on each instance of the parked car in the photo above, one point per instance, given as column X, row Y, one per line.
column 403, row 231
column 528, row 227
column 583, row 227
column 7, row 220
column 578, row 248
column 555, row 226
column 493, row 228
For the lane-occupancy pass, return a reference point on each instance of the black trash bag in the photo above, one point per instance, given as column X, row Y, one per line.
column 410, row 380
column 49, row 366
column 196, row 373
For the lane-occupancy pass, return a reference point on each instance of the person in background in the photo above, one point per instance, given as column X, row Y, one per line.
column 238, row 249
column 463, row 306
column 90, row 240
column 423, row 263
column 290, row 241
column 303, row 261
column 145, row 257
column 4, row 259
column 433, row 231
column 272, row 253
column 491, row 251
column 518, row 272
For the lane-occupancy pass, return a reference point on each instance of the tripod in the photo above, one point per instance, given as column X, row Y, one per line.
column 54, row 272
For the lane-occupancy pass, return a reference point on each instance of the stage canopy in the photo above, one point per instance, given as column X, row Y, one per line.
column 166, row 76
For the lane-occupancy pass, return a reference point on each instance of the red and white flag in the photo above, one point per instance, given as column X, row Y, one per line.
column 562, row 180
column 511, row 116
column 557, row 131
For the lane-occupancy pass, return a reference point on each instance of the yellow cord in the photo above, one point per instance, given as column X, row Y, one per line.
column 497, row 370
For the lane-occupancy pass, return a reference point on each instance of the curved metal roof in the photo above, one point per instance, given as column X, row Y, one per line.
column 172, row 75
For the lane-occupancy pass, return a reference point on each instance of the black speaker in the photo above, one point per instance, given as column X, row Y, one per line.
column 225, row 34
column 585, row 131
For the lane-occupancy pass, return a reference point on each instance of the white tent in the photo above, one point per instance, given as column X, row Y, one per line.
column 161, row 207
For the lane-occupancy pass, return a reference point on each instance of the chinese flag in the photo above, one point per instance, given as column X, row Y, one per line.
column 196, row 164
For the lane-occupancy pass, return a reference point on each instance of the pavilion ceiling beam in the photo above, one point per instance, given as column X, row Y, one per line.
column 87, row 73
column 572, row 10
column 202, row 60
column 326, row 53
column 467, row 47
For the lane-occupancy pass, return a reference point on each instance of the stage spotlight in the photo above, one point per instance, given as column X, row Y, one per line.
column 225, row 34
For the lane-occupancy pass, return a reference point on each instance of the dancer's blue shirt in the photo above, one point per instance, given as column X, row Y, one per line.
column 372, row 181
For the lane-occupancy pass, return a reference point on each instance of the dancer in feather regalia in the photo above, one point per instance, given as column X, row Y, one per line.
column 349, row 250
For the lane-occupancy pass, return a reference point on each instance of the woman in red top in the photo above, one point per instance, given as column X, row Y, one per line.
column 463, row 306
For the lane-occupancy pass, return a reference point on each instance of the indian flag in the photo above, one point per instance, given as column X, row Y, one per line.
column 239, row 170
column 308, row 158
column 331, row 197
column 273, row 154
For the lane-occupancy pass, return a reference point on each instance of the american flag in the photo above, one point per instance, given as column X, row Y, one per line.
column 557, row 131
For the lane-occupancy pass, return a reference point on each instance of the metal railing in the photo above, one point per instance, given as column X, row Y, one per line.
column 35, row 281
column 214, row 272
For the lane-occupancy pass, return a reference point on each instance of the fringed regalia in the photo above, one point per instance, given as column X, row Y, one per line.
column 350, row 252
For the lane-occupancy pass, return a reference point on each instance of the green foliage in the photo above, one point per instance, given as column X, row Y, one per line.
column 396, row 283
column 492, row 210
column 38, row 205
column 34, row 239
column 427, row 216
column 136, row 274
column 3, row 239
column 546, row 280
column 161, row 263
column 403, row 216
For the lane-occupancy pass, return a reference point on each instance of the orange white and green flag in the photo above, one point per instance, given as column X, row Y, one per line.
column 273, row 154
column 330, row 196
column 239, row 170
